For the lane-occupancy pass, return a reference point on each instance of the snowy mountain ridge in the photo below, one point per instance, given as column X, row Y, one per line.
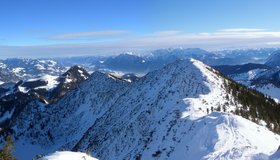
column 168, row 114
column 179, row 95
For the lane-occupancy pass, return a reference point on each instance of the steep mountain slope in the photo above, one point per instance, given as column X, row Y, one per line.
column 47, row 128
column 168, row 114
column 161, row 111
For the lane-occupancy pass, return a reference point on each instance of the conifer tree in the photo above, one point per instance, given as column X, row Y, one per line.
column 6, row 153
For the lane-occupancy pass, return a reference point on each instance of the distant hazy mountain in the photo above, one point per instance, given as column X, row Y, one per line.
column 125, row 63
column 159, row 58
column 131, row 63
column 12, row 70
column 274, row 59
column 261, row 77
column 6, row 75
column 23, row 69
column 243, row 56
column 237, row 69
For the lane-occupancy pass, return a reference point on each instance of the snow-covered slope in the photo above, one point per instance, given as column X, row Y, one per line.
column 162, row 116
column 215, row 136
column 66, row 155
column 46, row 90
column 168, row 114
column 227, row 136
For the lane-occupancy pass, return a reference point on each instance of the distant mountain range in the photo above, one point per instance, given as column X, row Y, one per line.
column 12, row 70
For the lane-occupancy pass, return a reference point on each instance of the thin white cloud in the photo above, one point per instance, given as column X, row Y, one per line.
column 105, row 33
column 166, row 33
column 226, row 38
column 241, row 30
column 221, row 39
column 249, row 34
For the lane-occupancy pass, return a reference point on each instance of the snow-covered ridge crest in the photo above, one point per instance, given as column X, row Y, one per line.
column 204, row 103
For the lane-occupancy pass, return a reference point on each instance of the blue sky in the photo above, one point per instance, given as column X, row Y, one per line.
column 84, row 27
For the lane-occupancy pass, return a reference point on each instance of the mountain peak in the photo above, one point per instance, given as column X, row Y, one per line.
column 76, row 72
